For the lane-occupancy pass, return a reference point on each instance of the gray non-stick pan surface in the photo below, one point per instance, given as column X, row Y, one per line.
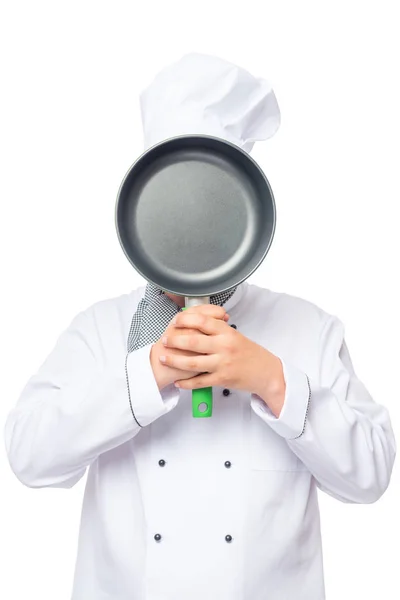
column 195, row 215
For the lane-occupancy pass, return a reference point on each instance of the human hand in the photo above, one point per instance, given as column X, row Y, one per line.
column 166, row 374
column 223, row 357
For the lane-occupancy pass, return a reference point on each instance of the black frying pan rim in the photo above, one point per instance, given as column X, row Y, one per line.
column 221, row 141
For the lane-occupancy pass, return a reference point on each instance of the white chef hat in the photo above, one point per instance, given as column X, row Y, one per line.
column 203, row 94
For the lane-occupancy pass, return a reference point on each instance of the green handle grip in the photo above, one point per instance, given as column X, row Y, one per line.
column 202, row 401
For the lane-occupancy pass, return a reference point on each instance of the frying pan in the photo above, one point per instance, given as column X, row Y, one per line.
column 195, row 215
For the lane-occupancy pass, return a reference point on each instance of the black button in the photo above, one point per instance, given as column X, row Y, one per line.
column 228, row 538
column 161, row 463
column 226, row 392
column 228, row 464
column 157, row 537
column 234, row 326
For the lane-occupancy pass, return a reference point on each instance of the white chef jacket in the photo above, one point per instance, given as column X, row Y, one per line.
column 179, row 508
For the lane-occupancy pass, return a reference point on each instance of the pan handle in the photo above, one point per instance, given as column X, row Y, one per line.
column 202, row 399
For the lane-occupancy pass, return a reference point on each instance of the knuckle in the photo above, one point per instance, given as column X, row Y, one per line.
column 217, row 312
column 187, row 331
column 192, row 364
column 190, row 341
column 202, row 320
column 224, row 379
column 221, row 312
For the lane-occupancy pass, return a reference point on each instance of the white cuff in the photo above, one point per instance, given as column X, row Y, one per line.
column 292, row 419
column 148, row 403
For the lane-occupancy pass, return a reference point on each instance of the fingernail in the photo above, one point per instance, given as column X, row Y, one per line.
column 173, row 321
column 164, row 341
column 177, row 384
column 163, row 358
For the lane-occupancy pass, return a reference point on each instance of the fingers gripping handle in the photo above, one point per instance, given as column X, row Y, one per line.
column 202, row 399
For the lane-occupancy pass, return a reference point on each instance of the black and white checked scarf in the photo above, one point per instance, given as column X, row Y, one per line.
column 154, row 313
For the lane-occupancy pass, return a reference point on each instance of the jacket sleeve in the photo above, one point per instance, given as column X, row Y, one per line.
column 333, row 425
column 77, row 407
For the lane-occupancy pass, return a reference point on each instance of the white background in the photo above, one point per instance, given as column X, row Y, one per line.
column 70, row 128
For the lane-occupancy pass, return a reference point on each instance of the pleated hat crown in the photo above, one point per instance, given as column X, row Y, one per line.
column 203, row 94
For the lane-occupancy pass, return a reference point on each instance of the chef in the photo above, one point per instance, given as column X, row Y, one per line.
column 224, row 508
